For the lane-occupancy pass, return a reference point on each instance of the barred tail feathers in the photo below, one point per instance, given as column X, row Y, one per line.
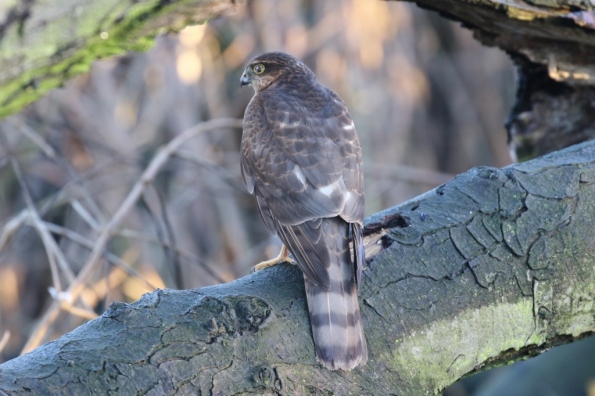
column 334, row 312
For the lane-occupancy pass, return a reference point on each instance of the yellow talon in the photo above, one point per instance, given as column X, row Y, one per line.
column 283, row 256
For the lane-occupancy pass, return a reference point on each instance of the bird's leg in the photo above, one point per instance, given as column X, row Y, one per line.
column 282, row 257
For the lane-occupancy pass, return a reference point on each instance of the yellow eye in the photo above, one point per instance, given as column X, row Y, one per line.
column 258, row 69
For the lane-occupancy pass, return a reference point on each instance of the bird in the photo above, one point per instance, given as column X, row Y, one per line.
column 301, row 158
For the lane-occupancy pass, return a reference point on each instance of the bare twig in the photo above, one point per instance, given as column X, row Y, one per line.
column 180, row 252
column 220, row 171
column 80, row 312
column 53, row 251
column 84, row 214
column 4, row 340
column 173, row 251
column 87, row 243
column 12, row 226
column 37, row 139
column 160, row 159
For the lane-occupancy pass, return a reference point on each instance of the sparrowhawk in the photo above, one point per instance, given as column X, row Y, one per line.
column 301, row 158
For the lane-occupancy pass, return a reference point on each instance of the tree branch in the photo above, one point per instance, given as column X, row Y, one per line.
column 43, row 44
column 553, row 44
column 491, row 267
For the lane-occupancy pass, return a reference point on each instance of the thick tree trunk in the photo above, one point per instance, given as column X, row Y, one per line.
column 553, row 44
column 491, row 267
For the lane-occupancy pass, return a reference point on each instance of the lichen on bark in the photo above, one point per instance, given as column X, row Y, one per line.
column 486, row 269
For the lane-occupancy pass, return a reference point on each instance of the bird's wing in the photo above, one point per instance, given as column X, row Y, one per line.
column 302, row 159
column 307, row 164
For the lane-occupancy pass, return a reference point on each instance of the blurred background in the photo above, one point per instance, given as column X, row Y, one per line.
column 427, row 99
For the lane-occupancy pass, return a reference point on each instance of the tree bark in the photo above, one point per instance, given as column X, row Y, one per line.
column 553, row 44
column 43, row 44
column 494, row 266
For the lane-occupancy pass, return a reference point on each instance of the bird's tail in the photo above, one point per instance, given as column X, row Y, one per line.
column 334, row 313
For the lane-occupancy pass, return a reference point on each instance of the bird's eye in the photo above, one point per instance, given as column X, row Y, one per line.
column 258, row 69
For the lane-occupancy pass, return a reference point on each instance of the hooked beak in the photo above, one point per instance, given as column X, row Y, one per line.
column 245, row 80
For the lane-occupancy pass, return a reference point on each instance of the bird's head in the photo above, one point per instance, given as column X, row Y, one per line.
column 265, row 69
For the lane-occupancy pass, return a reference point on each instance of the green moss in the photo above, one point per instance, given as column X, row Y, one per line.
column 135, row 32
column 465, row 343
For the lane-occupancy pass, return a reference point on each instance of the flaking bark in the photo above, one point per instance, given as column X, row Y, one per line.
column 491, row 267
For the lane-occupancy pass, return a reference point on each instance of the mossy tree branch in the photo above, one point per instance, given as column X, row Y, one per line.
column 43, row 44
column 491, row 267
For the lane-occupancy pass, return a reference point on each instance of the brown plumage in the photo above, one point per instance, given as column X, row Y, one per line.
column 302, row 160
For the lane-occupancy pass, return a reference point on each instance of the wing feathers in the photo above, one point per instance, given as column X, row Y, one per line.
column 304, row 242
column 301, row 159
column 359, row 254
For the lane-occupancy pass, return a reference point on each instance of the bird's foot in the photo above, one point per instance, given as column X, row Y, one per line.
column 282, row 257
